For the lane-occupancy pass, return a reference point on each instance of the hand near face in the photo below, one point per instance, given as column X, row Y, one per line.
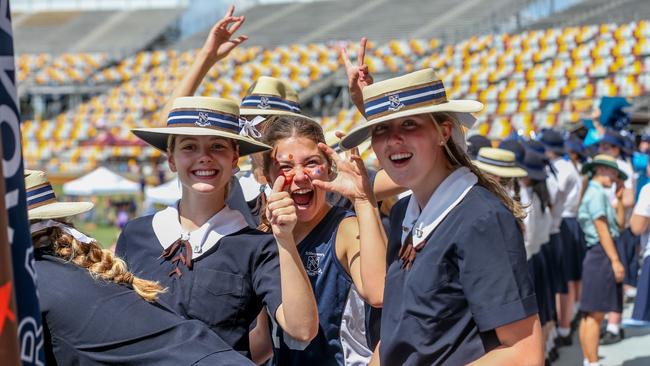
column 358, row 75
column 280, row 210
column 220, row 40
column 352, row 177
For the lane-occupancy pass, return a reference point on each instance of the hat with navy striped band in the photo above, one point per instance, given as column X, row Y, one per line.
column 42, row 202
column 498, row 162
column 202, row 116
column 419, row 92
column 270, row 96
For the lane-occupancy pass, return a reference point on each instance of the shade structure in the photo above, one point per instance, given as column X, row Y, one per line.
column 100, row 182
column 165, row 194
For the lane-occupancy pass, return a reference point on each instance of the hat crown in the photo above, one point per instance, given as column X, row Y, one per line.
column 496, row 154
column 219, row 105
column 552, row 137
column 35, row 178
column 605, row 158
column 270, row 94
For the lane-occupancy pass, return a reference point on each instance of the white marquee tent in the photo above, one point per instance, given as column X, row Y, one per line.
column 100, row 182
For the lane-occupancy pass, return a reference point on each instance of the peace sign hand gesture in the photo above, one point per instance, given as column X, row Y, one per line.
column 358, row 75
column 352, row 177
column 220, row 42
column 280, row 211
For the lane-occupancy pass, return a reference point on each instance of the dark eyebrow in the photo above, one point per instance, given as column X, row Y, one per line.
column 306, row 159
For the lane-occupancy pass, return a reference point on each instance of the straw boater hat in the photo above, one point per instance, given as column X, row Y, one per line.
column 419, row 92
column 270, row 96
column 202, row 116
column 603, row 160
column 42, row 203
column 498, row 162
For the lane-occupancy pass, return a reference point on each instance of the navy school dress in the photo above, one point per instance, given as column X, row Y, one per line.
column 341, row 338
column 226, row 287
column 469, row 278
column 94, row 322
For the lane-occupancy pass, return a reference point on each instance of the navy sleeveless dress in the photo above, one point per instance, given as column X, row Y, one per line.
column 341, row 338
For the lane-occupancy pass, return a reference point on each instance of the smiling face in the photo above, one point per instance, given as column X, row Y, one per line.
column 204, row 163
column 411, row 149
column 301, row 158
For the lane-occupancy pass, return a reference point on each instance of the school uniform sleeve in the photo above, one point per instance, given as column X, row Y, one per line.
column 596, row 205
column 266, row 275
column 493, row 271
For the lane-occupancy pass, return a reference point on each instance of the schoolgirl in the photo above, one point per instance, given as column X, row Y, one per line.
column 217, row 268
column 343, row 254
column 566, row 185
column 457, row 287
column 97, row 312
column 602, row 270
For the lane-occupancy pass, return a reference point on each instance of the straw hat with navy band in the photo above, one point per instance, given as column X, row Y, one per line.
column 498, row 162
column 41, row 200
column 203, row 116
column 270, row 96
column 419, row 92
column 603, row 160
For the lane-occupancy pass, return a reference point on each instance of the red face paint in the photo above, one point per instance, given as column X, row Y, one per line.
column 288, row 179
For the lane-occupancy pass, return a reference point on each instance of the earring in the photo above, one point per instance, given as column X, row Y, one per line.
column 442, row 142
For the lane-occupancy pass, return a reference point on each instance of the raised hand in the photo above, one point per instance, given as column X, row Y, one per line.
column 352, row 177
column 280, row 210
column 358, row 75
column 220, row 40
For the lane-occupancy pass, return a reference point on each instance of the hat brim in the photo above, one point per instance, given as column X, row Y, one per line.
column 249, row 112
column 462, row 108
column 158, row 136
column 59, row 210
column 590, row 166
column 501, row 171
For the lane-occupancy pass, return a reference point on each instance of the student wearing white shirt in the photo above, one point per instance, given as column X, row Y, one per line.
column 640, row 225
column 564, row 184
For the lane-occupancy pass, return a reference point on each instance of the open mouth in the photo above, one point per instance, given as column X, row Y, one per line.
column 400, row 158
column 205, row 173
column 302, row 197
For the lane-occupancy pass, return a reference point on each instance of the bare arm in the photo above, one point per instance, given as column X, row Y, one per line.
column 639, row 224
column 298, row 313
column 384, row 187
column 217, row 46
column 259, row 339
column 521, row 344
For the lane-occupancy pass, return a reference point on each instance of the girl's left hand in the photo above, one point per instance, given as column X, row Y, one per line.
column 220, row 40
column 352, row 177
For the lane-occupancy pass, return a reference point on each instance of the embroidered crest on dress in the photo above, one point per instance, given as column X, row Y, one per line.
column 313, row 263
column 264, row 103
column 202, row 120
column 394, row 103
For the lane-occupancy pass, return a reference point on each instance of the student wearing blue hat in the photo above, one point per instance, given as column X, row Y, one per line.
column 565, row 187
column 602, row 271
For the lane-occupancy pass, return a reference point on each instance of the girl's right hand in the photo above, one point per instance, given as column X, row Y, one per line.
column 220, row 42
column 280, row 211
column 619, row 271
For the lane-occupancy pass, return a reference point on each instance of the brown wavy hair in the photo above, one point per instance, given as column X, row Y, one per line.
column 457, row 157
column 278, row 128
column 101, row 263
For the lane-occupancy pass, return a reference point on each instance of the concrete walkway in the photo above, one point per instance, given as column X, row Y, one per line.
column 634, row 350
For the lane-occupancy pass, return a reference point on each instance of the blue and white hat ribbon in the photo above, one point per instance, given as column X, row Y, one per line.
column 40, row 195
column 268, row 102
column 203, row 118
column 247, row 128
column 405, row 99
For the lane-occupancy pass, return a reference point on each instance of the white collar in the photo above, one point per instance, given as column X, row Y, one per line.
column 449, row 194
column 168, row 229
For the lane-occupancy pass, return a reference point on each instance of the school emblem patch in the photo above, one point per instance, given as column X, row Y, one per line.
column 312, row 266
column 394, row 104
column 264, row 103
column 202, row 120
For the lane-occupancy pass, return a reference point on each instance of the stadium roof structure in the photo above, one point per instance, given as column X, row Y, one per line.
column 380, row 20
column 117, row 32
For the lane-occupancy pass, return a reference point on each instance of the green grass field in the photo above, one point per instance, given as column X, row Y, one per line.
column 106, row 235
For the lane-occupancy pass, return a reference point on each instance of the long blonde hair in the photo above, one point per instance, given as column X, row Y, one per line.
column 457, row 158
column 101, row 263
